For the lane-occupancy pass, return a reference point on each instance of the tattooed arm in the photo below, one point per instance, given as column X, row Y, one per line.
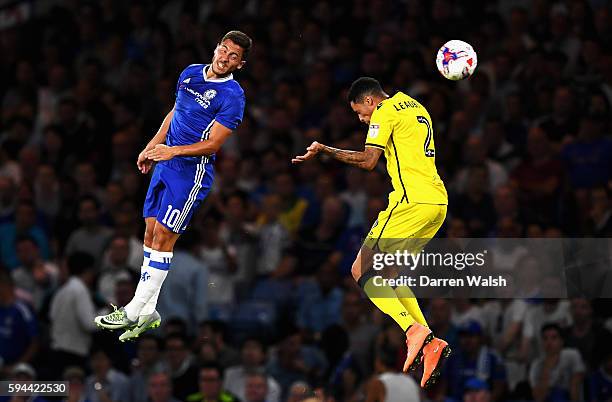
column 365, row 159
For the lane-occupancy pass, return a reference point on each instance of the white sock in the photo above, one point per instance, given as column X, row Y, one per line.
column 151, row 279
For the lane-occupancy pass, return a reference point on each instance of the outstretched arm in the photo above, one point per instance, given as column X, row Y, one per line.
column 144, row 164
column 365, row 159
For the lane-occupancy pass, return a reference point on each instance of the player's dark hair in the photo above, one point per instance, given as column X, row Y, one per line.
column 241, row 39
column 79, row 262
column 363, row 87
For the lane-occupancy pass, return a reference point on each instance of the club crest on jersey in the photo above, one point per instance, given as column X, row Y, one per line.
column 373, row 131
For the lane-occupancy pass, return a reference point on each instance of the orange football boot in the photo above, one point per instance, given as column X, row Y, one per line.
column 417, row 336
column 433, row 353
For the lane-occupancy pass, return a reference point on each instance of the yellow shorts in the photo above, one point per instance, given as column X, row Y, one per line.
column 405, row 226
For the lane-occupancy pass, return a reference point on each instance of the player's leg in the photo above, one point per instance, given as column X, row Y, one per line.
column 425, row 221
column 144, row 303
column 176, row 210
column 382, row 296
column 153, row 275
column 438, row 348
column 118, row 319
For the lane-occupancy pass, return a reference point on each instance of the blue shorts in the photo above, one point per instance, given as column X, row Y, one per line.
column 176, row 191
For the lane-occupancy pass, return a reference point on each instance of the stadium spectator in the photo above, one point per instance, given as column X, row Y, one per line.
column 220, row 261
column 539, row 178
column 256, row 387
column 361, row 333
column 600, row 381
column 19, row 327
column 293, row 361
column 474, row 358
column 439, row 319
column 585, row 334
column 71, row 314
column 35, row 279
column 475, row 204
column 387, row 384
column 23, row 372
column 181, row 366
column 91, row 237
column 253, row 361
column 319, row 301
column 549, row 311
column 75, row 376
column 210, row 381
column 475, row 153
column 148, row 365
column 105, row 383
column 24, row 224
column 217, row 332
column 185, row 295
column 600, row 222
column 559, row 373
column 272, row 236
column 114, row 268
column 159, row 388
column 504, row 326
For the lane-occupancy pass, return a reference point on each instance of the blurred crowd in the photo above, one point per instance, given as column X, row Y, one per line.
column 259, row 305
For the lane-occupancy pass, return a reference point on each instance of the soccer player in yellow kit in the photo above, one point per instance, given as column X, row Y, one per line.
column 400, row 127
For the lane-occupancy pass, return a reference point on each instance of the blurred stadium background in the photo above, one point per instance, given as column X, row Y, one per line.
column 260, row 284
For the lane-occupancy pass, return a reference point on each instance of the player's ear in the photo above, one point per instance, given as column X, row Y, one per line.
column 242, row 63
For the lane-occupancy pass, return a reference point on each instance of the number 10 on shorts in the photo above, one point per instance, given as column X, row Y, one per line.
column 171, row 216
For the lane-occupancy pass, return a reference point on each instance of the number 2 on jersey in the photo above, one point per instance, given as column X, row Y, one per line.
column 430, row 153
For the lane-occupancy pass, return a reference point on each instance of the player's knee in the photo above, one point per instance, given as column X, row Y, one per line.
column 148, row 237
column 162, row 237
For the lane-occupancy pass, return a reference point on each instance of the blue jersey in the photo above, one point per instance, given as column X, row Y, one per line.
column 179, row 185
column 200, row 102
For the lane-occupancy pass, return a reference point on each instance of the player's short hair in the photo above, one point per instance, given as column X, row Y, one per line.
column 241, row 39
column 363, row 87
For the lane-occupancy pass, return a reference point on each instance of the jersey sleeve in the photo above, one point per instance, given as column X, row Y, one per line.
column 380, row 129
column 231, row 111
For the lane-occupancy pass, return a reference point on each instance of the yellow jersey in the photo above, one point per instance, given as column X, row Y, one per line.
column 402, row 127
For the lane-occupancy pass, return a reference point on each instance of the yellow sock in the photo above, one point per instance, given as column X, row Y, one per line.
column 385, row 298
column 410, row 303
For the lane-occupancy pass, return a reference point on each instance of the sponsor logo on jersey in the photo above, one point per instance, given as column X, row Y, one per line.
column 373, row 131
column 202, row 99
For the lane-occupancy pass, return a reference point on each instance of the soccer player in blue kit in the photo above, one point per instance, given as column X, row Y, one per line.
column 209, row 106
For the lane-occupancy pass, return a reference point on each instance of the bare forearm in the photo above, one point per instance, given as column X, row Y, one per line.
column 202, row 148
column 353, row 158
column 160, row 136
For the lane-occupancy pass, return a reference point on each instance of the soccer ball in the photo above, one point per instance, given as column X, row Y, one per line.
column 456, row 60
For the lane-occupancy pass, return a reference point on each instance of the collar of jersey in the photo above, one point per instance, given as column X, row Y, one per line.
column 229, row 77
